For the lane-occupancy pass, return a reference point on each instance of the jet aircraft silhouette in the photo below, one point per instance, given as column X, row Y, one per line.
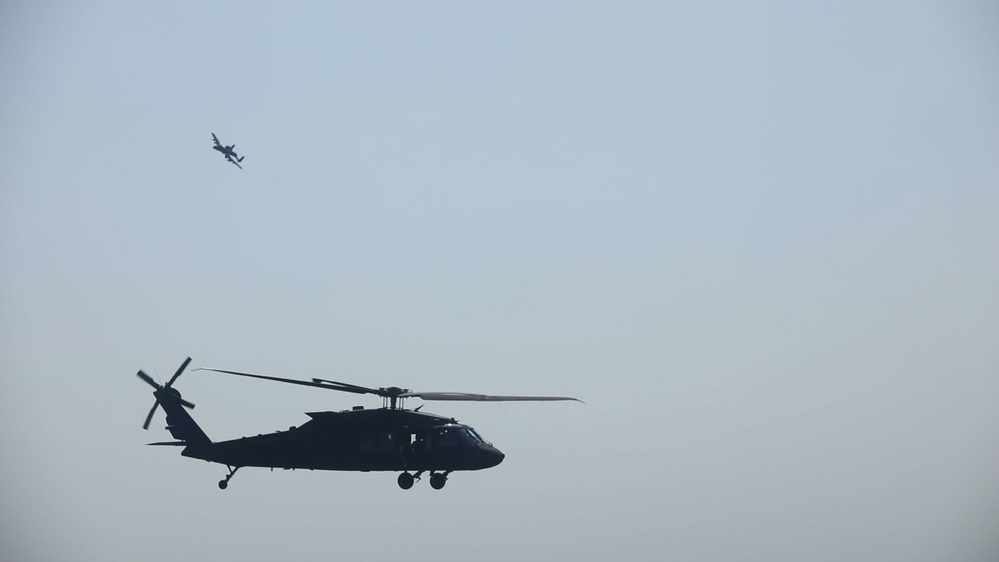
column 228, row 152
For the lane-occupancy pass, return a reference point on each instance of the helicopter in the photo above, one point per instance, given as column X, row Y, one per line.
column 390, row 438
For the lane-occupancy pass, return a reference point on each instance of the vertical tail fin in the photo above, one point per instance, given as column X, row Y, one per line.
column 180, row 424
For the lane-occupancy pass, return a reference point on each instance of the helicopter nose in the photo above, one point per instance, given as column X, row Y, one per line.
column 493, row 456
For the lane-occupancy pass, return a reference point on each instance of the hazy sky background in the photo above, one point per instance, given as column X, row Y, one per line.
column 758, row 239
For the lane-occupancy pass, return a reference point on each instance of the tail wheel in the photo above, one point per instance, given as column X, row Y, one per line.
column 224, row 483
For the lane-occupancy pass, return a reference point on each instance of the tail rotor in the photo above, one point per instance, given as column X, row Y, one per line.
column 160, row 390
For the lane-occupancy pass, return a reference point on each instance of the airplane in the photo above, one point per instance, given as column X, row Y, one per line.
column 390, row 438
column 228, row 151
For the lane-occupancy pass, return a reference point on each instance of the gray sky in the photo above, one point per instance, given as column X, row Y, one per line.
column 759, row 240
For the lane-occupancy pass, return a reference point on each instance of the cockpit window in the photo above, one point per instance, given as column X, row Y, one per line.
column 455, row 436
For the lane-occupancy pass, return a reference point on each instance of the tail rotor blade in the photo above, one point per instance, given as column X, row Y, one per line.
column 149, row 417
column 179, row 371
column 142, row 375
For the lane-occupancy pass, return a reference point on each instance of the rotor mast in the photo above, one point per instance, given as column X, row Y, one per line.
column 392, row 397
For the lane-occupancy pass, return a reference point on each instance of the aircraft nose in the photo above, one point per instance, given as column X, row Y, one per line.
column 494, row 456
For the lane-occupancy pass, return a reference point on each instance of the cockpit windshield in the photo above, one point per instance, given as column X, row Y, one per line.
column 453, row 435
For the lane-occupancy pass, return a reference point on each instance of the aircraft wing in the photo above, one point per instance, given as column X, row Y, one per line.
column 216, row 139
column 234, row 162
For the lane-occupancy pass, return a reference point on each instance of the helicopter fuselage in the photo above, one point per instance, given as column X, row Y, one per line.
column 360, row 440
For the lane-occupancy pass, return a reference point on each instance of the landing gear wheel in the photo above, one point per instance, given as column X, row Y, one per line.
column 223, row 484
column 437, row 480
column 406, row 480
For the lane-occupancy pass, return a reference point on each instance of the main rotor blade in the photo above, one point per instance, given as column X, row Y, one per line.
column 186, row 403
column 278, row 379
column 148, row 379
column 179, row 371
column 149, row 417
column 347, row 387
column 464, row 396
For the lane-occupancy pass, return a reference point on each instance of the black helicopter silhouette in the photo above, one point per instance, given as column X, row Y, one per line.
column 390, row 438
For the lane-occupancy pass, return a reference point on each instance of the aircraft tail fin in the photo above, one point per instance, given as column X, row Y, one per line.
column 181, row 425
column 240, row 159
